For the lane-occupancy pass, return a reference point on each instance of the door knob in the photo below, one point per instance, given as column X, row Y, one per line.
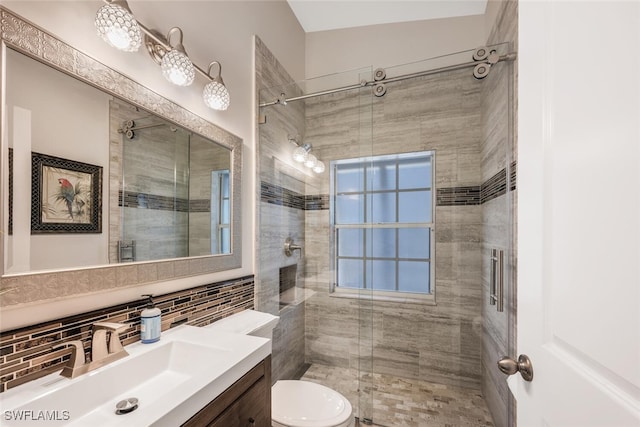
column 509, row 366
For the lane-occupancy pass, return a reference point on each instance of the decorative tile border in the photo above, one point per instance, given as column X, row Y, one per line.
column 513, row 175
column 277, row 195
column 132, row 199
column 318, row 202
column 493, row 187
column 458, row 196
column 26, row 353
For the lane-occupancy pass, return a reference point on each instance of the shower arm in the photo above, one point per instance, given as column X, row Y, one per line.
column 367, row 83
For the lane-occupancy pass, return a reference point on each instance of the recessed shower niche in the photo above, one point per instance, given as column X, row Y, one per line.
column 288, row 285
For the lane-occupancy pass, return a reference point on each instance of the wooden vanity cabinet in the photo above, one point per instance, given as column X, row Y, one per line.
column 247, row 403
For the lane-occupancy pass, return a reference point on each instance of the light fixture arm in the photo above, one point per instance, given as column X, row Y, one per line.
column 121, row 3
column 217, row 78
column 172, row 31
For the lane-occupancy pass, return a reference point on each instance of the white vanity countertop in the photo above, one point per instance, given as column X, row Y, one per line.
column 172, row 379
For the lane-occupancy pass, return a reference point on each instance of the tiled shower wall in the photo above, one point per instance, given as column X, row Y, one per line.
column 498, row 154
column 278, row 219
column 442, row 342
column 155, row 206
column 155, row 203
column 26, row 354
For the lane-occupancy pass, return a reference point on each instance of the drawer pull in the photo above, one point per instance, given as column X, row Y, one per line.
column 252, row 421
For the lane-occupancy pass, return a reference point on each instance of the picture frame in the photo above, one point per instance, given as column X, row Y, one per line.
column 66, row 196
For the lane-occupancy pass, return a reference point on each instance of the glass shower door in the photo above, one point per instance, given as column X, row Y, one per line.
column 155, row 192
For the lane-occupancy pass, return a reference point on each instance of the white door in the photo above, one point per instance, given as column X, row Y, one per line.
column 579, row 213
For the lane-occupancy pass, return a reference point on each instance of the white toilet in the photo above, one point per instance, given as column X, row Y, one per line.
column 293, row 403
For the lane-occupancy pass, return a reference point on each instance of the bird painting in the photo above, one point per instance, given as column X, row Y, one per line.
column 67, row 194
column 71, row 195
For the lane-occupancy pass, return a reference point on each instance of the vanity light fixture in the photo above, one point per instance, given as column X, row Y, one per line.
column 302, row 154
column 215, row 93
column 176, row 66
column 118, row 27
column 319, row 167
column 311, row 161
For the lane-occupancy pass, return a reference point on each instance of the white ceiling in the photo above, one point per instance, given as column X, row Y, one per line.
column 321, row 15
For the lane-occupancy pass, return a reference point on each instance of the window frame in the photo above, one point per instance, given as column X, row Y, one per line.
column 365, row 164
column 217, row 226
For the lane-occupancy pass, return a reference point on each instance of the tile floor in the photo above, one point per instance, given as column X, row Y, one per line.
column 399, row 402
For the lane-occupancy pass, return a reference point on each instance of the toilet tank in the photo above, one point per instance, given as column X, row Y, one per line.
column 247, row 322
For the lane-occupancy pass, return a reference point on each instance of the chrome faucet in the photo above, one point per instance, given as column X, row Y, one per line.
column 101, row 354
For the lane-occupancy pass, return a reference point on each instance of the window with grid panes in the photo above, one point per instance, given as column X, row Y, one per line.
column 382, row 223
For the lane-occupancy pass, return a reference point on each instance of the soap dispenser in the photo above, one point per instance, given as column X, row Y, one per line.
column 150, row 322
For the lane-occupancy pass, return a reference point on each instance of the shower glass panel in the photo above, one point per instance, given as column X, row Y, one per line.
column 398, row 232
column 155, row 193
column 323, row 329
column 176, row 193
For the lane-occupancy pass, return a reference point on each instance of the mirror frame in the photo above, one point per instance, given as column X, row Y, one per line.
column 26, row 38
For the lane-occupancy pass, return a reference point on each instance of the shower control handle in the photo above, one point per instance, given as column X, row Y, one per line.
column 509, row 366
column 289, row 247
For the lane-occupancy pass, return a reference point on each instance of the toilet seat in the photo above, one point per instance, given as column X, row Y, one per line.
column 306, row 404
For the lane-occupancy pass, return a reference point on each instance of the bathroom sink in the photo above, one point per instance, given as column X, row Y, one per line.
column 171, row 380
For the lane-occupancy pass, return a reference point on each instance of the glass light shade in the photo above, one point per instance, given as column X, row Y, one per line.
column 118, row 27
column 300, row 154
column 178, row 68
column 216, row 95
column 311, row 161
column 319, row 167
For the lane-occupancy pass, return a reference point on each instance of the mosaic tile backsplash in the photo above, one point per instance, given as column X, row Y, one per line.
column 26, row 353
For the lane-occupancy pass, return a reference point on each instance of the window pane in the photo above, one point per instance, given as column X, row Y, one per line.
column 350, row 209
column 414, row 243
column 413, row 276
column 350, row 242
column 225, row 184
column 225, row 212
column 381, row 275
column 381, row 242
column 350, row 273
column 350, row 178
column 382, row 175
column 415, row 206
column 381, row 208
column 225, row 244
column 415, row 173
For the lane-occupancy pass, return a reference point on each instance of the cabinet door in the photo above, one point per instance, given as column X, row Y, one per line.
column 250, row 410
column 247, row 403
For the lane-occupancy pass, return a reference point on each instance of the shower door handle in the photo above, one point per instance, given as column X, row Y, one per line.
column 523, row 365
column 496, row 286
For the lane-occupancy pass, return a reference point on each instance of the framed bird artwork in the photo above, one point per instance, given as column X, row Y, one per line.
column 66, row 196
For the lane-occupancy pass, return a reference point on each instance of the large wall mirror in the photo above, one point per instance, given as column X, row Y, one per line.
column 98, row 170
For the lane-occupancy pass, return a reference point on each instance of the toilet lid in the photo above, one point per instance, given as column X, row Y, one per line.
column 307, row 404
